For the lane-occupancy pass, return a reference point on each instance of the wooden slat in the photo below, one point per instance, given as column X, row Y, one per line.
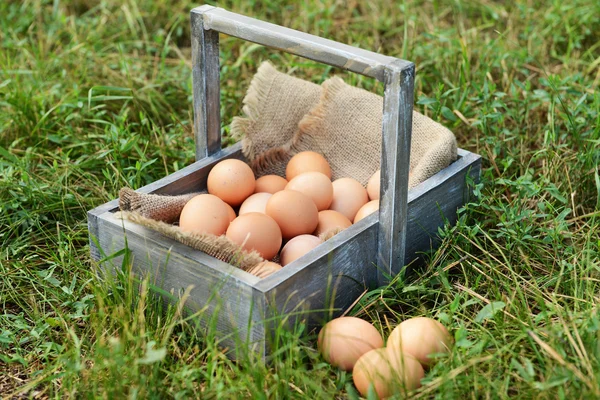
column 395, row 165
column 299, row 43
column 206, row 86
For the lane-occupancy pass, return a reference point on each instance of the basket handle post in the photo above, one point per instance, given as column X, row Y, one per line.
column 396, row 74
column 206, row 85
column 395, row 166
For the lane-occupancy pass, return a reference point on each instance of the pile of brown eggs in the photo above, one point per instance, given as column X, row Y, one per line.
column 353, row 344
column 273, row 210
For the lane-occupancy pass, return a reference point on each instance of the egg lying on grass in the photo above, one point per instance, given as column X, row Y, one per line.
column 421, row 337
column 342, row 341
column 388, row 372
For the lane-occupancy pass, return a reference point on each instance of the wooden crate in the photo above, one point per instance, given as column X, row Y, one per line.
column 243, row 308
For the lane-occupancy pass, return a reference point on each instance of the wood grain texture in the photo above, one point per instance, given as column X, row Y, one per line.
column 395, row 165
column 299, row 43
column 323, row 283
column 222, row 295
column 206, row 85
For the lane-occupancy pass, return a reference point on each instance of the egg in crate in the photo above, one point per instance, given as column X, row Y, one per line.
column 295, row 213
column 315, row 185
column 255, row 203
column 367, row 210
column 256, row 231
column 348, row 197
column 297, row 247
column 330, row 220
column 270, row 184
column 232, row 181
column 307, row 161
column 205, row 213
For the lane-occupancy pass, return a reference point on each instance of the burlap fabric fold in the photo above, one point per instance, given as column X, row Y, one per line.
column 344, row 125
column 274, row 104
column 157, row 207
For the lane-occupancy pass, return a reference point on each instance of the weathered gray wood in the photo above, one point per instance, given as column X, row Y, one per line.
column 206, row 85
column 395, row 164
column 223, row 293
column 322, row 283
column 299, row 43
column 93, row 225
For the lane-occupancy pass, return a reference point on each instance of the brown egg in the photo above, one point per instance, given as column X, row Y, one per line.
column 421, row 337
column 367, row 210
column 270, row 184
column 264, row 269
column 297, row 247
column 231, row 211
column 330, row 220
column 348, row 197
column 307, row 161
column 232, row 181
column 295, row 213
column 256, row 231
column 316, row 186
column 342, row 341
column 389, row 373
column 204, row 213
column 373, row 185
column 255, row 203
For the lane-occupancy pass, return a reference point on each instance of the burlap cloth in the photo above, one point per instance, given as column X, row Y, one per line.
column 284, row 116
column 343, row 123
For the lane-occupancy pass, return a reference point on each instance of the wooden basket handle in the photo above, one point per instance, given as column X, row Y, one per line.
column 396, row 74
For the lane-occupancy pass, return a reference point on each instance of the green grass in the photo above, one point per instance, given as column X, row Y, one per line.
column 96, row 95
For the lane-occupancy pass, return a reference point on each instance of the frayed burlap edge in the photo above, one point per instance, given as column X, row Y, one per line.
column 219, row 247
column 259, row 89
column 309, row 125
column 163, row 208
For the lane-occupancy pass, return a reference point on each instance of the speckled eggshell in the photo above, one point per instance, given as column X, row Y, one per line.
column 232, row 181
column 231, row 212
